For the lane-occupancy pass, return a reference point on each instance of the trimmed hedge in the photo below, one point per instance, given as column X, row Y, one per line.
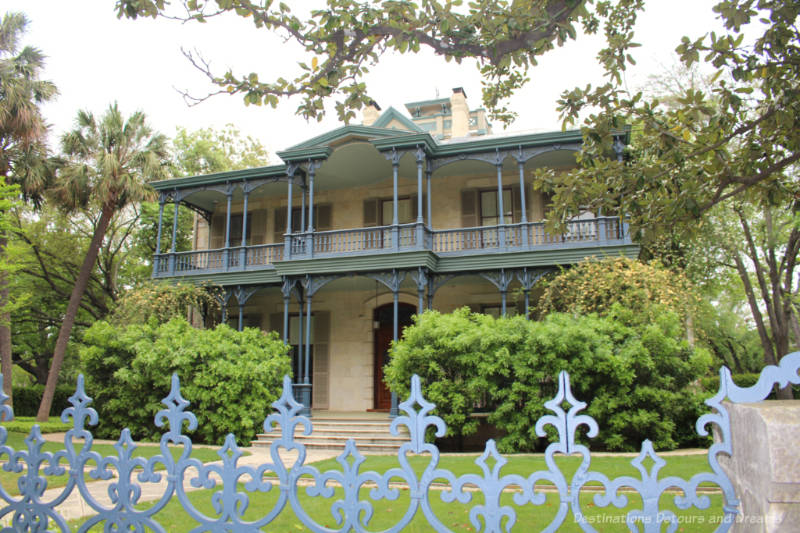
column 27, row 399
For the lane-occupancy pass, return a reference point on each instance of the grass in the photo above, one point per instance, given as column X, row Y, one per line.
column 455, row 516
column 612, row 466
column 16, row 441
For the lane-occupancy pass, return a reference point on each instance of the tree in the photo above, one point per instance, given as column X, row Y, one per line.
column 23, row 154
column 207, row 150
column 706, row 146
column 110, row 161
column 345, row 38
column 758, row 238
column 47, row 248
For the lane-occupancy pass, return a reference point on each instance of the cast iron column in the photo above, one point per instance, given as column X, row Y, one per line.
column 312, row 168
column 226, row 252
column 420, row 222
column 395, row 219
column 174, row 236
column 157, row 259
column 393, row 412
column 524, row 227
column 243, row 251
column 501, row 230
column 287, row 242
column 306, row 377
column 428, row 173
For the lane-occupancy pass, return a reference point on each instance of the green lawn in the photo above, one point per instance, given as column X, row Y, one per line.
column 612, row 466
column 453, row 515
column 456, row 516
column 17, row 442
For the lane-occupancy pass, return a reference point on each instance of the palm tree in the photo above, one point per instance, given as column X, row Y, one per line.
column 109, row 164
column 23, row 154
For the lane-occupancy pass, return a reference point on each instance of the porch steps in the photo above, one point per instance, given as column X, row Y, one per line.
column 332, row 430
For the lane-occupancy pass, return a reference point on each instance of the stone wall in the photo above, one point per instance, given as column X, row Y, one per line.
column 765, row 466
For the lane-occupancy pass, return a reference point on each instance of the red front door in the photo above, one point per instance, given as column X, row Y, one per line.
column 384, row 318
column 383, row 341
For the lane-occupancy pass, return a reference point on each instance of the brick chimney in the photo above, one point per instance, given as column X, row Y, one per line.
column 458, row 106
column 371, row 113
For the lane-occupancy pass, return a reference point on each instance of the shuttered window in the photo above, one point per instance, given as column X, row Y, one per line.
column 323, row 215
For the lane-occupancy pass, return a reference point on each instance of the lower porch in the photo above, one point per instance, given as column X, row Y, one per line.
column 340, row 328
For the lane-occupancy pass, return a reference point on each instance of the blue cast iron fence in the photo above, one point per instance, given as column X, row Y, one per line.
column 233, row 483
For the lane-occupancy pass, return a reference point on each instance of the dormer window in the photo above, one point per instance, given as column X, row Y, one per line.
column 445, row 109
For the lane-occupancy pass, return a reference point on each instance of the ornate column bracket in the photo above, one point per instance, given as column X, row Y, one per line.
column 528, row 278
column 242, row 295
column 391, row 281
column 420, row 277
column 287, row 286
column 312, row 283
column 501, row 280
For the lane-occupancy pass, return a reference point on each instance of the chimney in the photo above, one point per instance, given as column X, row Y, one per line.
column 371, row 113
column 458, row 106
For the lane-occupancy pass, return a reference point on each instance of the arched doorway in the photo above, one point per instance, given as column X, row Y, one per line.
column 384, row 333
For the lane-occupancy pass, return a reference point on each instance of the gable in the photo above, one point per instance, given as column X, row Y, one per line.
column 393, row 119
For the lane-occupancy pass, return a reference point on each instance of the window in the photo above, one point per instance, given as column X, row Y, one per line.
column 236, row 229
column 488, row 209
column 405, row 211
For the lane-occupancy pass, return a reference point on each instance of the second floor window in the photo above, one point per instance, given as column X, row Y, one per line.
column 489, row 207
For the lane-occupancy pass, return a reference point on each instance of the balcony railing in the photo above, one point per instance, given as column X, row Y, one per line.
column 600, row 231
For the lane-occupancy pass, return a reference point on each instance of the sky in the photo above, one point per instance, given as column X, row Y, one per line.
column 95, row 59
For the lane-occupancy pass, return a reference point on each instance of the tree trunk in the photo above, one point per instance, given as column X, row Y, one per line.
column 5, row 330
column 72, row 311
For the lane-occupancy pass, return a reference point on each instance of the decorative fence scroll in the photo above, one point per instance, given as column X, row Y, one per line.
column 233, row 483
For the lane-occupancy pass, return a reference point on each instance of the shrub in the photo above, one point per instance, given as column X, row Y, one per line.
column 594, row 286
column 27, row 399
column 164, row 301
column 230, row 377
column 637, row 379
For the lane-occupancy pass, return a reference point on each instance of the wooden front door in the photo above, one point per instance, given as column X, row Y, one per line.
column 383, row 340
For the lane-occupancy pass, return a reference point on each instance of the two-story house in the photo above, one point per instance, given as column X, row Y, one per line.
column 363, row 226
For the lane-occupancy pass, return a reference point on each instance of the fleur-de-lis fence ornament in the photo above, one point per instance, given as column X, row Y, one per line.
column 231, row 484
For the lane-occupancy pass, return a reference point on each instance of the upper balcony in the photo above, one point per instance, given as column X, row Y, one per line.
column 530, row 236
column 362, row 192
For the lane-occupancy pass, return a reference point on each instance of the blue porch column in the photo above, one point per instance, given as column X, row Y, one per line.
column 174, row 235
column 428, row 173
column 393, row 412
column 420, row 223
column 243, row 251
column 524, row 221
column 287, row 242
column 312, row 171
column 395, row 219
column 501, row 230
column 157, row 259
column 226, row 251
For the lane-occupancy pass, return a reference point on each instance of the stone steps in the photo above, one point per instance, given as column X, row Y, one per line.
column 370, row 431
